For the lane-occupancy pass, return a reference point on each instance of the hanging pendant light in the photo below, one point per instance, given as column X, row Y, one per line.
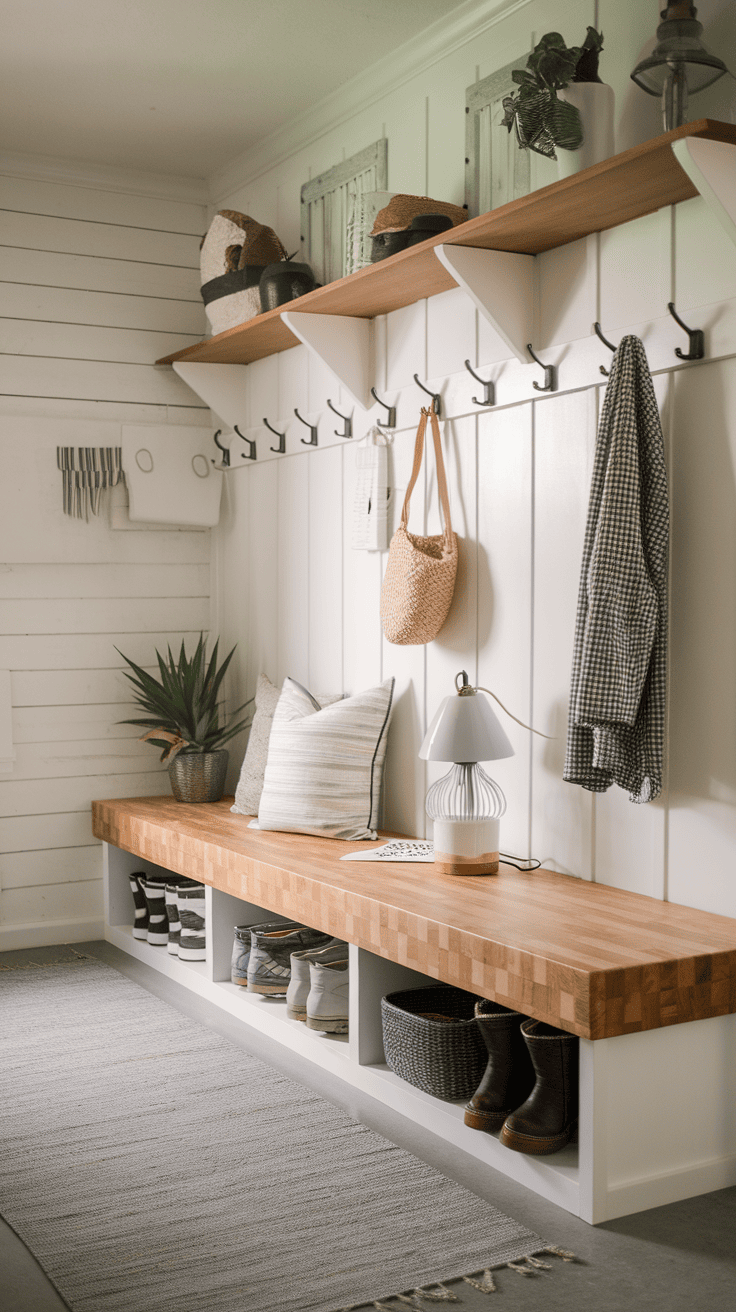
column 679, row 63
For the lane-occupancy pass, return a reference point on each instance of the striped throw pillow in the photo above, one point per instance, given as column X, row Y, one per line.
column 324, row 767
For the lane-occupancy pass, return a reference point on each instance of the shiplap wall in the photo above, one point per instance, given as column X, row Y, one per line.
column 96, row 282
column 301, row 602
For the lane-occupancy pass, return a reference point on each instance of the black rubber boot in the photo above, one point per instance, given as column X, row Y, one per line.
column 546, row 1121
column 509, row 1075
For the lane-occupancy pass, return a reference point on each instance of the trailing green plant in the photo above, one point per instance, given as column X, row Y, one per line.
column 542, row 121
column 182, row 708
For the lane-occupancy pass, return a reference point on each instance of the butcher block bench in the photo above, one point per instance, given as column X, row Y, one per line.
column 648, row 986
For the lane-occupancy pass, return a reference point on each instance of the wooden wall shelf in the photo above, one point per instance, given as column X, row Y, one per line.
column 624, row 187
column 591, row 959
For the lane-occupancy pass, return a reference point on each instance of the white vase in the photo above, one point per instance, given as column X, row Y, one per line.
column 595, row 101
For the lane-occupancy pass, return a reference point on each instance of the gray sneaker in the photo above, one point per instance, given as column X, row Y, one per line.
column 241, row 946
column 327, row 1004
column 269, row 967
column 300, row 983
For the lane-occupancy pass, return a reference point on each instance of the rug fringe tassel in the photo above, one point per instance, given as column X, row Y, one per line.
column 529, row 1265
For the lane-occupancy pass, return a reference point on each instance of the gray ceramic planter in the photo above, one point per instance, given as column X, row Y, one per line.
column 198, row 776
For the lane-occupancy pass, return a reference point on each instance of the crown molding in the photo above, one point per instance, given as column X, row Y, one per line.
column 462, row 25
column 102, row 177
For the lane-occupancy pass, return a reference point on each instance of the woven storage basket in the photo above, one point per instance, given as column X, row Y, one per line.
column 420, row 571
column 445, row 1058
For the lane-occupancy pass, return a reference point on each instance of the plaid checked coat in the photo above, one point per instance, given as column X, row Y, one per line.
column 617, row 699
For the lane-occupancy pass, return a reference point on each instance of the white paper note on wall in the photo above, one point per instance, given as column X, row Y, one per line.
column 170, row 476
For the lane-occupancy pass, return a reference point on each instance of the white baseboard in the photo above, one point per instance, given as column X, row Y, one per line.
column 49, row 932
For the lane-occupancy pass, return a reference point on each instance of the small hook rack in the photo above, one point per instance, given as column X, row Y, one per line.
column 250, row 454
column 346, row 419
column 390, row 422
column 436, row 398
column 279, row 450
column 312, row 439
column 489, row 390
column 695, row 335
column 225, row 453
column 610, row 345
column 550, row 373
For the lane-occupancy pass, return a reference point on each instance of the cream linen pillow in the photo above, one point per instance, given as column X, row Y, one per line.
column 250, row 783
column 324, row 768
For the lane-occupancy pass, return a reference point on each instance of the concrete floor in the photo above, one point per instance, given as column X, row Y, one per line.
column 668, row 1260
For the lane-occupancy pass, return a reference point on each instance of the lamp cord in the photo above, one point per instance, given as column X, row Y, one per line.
column 550, row 738
column 531, row 864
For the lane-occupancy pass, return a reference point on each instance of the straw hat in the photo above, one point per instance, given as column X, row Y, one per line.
column 398, row 214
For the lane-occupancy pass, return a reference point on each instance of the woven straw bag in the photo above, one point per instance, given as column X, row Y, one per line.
column 420, row 574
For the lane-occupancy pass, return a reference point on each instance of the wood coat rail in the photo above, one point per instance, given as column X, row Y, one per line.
column 594, row 960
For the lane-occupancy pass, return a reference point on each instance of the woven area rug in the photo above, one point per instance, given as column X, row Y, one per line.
column 150, row 1166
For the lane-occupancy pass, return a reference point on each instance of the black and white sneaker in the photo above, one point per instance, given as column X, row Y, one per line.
column 140, row 923
column 192, row 917
column 154, row 887
column 172, row 911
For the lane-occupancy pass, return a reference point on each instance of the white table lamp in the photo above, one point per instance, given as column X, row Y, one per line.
column 465, row 805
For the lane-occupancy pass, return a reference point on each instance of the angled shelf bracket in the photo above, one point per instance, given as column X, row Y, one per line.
column 711, row 167
column 344, row 344
column 501, row 285
column 221, row 386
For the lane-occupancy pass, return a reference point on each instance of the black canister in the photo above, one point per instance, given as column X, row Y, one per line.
column 388, row 243
column 423, row 226
column 284, row 282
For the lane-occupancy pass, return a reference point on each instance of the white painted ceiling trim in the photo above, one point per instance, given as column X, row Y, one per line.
column 462, row 25
column 101, row 177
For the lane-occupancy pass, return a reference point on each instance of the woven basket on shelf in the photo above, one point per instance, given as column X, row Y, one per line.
column 444, row 1057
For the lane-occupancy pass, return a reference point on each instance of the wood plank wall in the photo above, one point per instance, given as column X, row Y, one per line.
column 301, row 602
column 95, row 284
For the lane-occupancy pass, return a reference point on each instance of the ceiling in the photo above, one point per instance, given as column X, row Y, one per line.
column 181, row 86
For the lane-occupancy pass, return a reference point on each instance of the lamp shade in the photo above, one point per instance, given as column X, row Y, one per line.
column 679, row 46
column 465, row 729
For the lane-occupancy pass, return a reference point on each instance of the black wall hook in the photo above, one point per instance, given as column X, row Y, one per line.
column 436, row 398
column 280, row 450
column 489, row 391
column 610, row 345
column 312, row 439
column 346, row 419
column 550, row 373
column 390, row 421
column 250, row 454
column 696, row 336
column 225, row 452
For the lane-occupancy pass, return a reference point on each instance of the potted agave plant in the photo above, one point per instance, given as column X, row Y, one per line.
column 562, row 104
column 183, row 718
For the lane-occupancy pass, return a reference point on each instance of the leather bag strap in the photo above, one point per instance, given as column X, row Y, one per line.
column 441, row 477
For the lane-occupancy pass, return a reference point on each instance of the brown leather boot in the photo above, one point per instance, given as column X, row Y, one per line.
column 546, row 1120
column 509, row 1075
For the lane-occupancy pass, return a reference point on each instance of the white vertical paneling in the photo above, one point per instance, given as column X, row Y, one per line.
column 406, row 337
column 564, row 442
column 450, row 333
column 293, row 385
column 263, row 393
column 635, row 270
column 362, row 575
column 567, row 288
column 293, row 567
column 505, row 599
column 705, row 258
column 325, row 571
column 454, row 648
column 702, row 820
column 262, row 566
column 405, row 775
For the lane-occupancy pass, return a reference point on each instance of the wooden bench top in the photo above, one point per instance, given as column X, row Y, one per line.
column 592, row 959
